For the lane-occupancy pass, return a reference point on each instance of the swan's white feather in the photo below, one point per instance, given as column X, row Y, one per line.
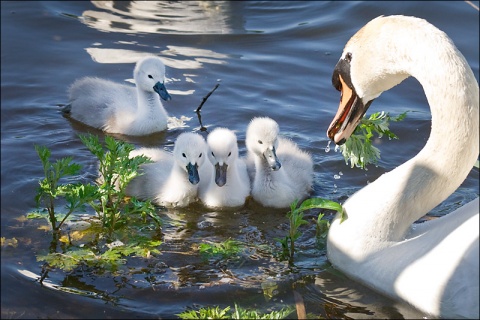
column 120, row 108
column 276, row 188
column 434, row 265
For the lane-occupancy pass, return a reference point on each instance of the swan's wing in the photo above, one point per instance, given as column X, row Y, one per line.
column 152, row 178
column 297, row 163
column 95, row 101
column 154, row 154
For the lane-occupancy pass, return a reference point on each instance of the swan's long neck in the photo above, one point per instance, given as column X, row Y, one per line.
column 148, row 103
column 383, row 211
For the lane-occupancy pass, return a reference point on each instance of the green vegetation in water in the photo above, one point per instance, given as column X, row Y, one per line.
column 238, row 313
column 119, row 218
column 358, row 149
column 296, row 219
column 225, row 249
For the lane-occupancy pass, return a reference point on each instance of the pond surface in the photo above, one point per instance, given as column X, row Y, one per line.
column 271, row 59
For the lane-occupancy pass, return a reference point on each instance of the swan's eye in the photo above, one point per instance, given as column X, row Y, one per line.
column 348, row 57
column 260, row 141
column 183, row 154
column 200, row 155
column 213, row 154
column 229, row 154
column 150, row 76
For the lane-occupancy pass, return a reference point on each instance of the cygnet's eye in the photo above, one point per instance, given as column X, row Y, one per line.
column 150, row 76
column 213, row 154
column 229, row 154
column 183, row 154
column 260, row 141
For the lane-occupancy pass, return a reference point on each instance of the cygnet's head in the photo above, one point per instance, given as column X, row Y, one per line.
column 222, row 153
column 149, row 75
column 189, row 154
column 262, row 140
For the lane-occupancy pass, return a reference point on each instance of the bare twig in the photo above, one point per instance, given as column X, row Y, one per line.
column 206, row 97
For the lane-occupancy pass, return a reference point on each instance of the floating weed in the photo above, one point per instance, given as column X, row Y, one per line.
column 225, row 249
column 238, row 313
column 358, row 148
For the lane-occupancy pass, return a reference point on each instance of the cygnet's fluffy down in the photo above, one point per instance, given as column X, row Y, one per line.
column 229, row 185
column 119, row 108
column 174, row 178
column 280, row 172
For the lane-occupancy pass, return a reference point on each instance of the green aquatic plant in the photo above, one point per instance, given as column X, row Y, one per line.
column 115, row 211
column 116, row 170
column 358, row 148
column 296, row 220
column 50, row 189
column 225, row 249
column 239, row 313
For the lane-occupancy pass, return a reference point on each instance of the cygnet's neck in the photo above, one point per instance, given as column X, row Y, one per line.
column 384, row 210
column 148, row 103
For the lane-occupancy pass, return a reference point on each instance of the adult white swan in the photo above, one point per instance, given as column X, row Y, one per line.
column 118, row 108
column 434, row 265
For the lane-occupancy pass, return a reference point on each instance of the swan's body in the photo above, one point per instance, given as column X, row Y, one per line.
column 172, row 180
column 280, row 172
column 229, row 185
column 118, row 108
column 434, row 265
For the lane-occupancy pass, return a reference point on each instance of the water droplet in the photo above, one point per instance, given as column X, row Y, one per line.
column 327, row 148
column 337, row 147
column 336, row 176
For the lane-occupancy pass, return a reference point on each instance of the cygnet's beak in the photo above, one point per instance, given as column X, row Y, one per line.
column 221, row 174
column 162, row 91
column 193, row 176
column 272, row 159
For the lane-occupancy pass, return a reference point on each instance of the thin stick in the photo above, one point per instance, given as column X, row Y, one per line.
column 299, row 304
column 206, row 97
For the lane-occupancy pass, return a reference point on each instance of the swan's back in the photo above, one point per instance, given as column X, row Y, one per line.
column 95, row 101
column 152, row 176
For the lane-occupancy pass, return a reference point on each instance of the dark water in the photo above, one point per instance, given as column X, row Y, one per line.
column 272, row 59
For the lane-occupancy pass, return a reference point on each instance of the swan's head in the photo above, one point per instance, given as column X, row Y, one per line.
column 262, row 140
column 222, row 153
column 189, row 154
column 373, row 60
column 149, row 75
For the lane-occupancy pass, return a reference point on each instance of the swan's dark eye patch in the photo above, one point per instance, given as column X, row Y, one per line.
column 150, row 76
column 229, row 154
column 200, row 155
column 213, row 154
column 183, row 154
column 260, row 141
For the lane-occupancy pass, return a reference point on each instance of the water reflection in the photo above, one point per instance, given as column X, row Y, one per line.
column 173, row 17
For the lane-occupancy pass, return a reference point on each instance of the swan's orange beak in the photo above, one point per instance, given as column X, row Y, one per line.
column 350, row 111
